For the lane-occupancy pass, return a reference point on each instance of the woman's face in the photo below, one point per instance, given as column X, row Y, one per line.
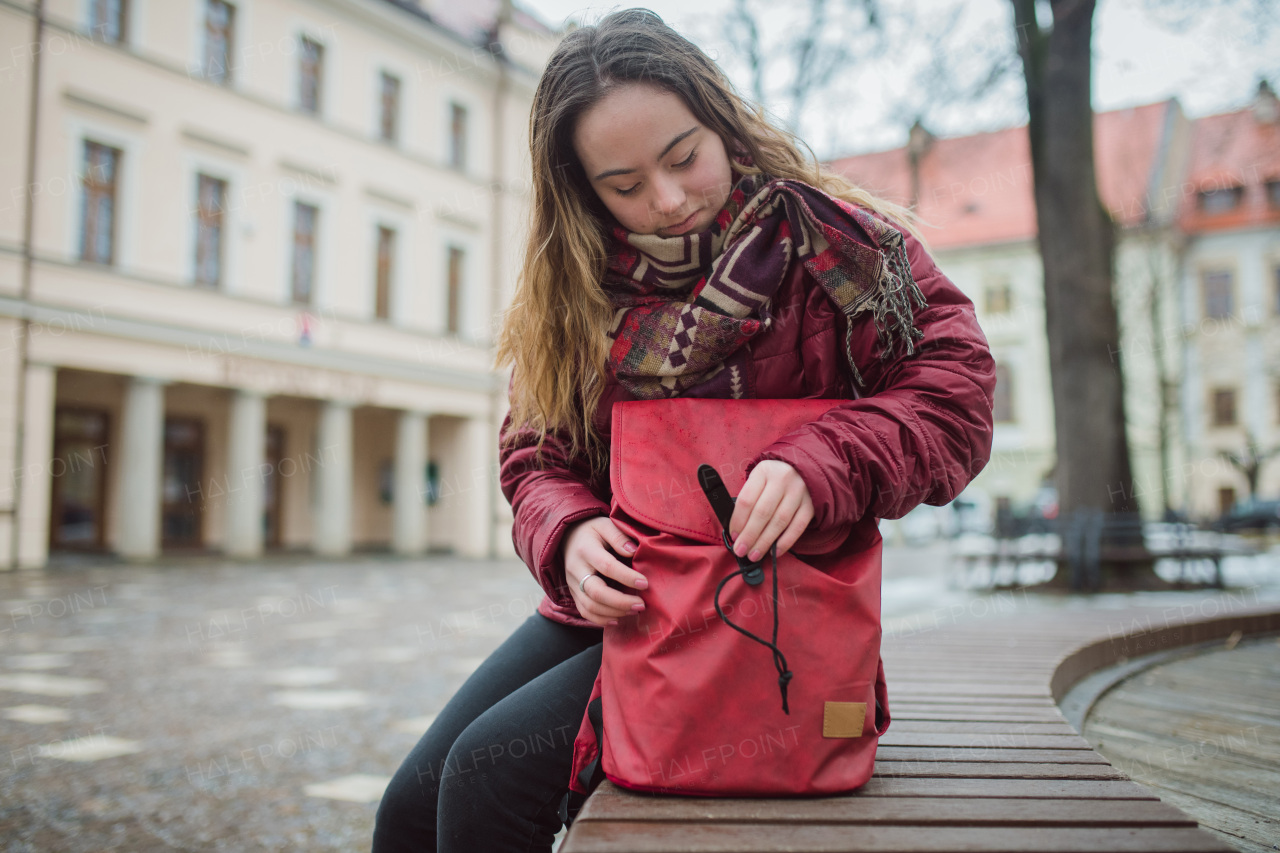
column 656, row 168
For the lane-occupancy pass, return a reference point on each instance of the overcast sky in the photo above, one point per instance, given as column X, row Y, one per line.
column 1141, row 55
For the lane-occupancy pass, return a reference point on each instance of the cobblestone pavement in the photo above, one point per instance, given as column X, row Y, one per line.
column 226, row 706
column 229, row 707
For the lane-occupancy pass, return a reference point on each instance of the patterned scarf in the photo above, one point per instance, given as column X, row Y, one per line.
column 685, row 305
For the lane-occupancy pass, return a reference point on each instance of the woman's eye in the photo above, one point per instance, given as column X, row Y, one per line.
column 628, row 191
column 688, row 161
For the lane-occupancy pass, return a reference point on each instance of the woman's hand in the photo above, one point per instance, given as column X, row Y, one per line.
column 586, row 552
column 774, row 505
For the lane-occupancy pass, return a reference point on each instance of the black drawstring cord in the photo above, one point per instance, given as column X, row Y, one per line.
column 779, row 660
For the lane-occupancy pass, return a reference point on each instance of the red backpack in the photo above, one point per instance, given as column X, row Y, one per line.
column 737, row 679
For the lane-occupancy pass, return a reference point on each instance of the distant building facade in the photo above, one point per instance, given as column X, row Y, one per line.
column 249, row 270
column 1229, row 289
column 1197, row 288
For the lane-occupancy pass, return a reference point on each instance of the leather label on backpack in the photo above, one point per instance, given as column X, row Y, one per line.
column 843, row 719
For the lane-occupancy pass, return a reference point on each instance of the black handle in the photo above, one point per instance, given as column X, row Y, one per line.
column 722, row 505
column 717, row 494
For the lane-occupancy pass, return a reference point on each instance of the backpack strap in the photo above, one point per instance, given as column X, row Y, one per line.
column 722, row 505
column 751, row 573
column 591, row 775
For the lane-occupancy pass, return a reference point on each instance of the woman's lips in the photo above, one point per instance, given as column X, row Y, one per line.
column 686, row 225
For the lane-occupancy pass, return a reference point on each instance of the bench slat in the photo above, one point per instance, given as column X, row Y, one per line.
column 901, row 714
column 1013, row 740
column 922, row 811
column 911, row 689
column 1024, row 727
column 977, row 703
column 996, row 770
column 1018, row 789
column 638, row 837
column 977, row 754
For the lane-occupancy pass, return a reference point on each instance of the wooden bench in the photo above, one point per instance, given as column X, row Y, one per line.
column 1083, row 542
column 978, row 756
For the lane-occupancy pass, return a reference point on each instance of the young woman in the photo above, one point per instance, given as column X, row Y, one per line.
column 681, row 245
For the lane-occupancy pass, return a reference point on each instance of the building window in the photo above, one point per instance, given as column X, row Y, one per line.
column 211, row 205
column 107, row 20
column 1224, row 407
column 305, row 217
column 453, row 281
column 1219, row 294
column 98, row 211
column 219, row 19
column 1273, row 194
column 310, row 68
column 272, row 488
column 1226, row 500
column 382, row 273
column 389, row 123
column 457, row 136
column 1002, row 399
column 999, row 298
column 432, row 486
column 182, row 510
column 80, row 444
column 1221, row 200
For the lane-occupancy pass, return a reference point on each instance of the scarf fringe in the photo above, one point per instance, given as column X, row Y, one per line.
column 891, row 309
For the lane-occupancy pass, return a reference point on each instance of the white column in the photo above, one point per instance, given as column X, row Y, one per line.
column 475, row 513
column 141, row 467
column 333, row 486
column 246, row 454
column 37, row 466
column 410, row 516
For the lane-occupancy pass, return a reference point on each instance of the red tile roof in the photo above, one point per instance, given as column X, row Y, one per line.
column 977, row 190
column 973, row 189
column 1126, row 147
column 1232, row 150
column 470, row 21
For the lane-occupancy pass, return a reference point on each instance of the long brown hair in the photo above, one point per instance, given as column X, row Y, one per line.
column 554, row 334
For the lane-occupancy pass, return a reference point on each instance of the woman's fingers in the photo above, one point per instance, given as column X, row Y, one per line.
column 756, row 505
column 777, row 524
column 796, row 528
column 621, row 543
column 605, row 597
column 771, row 502
column 596, row 601
column 588, row 552
column 604, row 564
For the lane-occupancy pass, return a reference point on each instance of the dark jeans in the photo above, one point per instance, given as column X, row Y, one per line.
column 490, row 772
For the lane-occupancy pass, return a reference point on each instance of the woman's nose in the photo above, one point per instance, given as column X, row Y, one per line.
column 668, row 197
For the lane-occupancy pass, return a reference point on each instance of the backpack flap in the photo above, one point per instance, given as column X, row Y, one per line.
column 658, row 445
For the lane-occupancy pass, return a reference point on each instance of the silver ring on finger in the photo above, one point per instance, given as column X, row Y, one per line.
column 583, row 583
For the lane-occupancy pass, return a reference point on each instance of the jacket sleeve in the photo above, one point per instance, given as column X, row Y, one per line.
column 922, row 431
column 545, row 499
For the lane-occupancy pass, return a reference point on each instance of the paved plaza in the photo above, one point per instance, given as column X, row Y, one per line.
column 229, row 707
column 209, row 705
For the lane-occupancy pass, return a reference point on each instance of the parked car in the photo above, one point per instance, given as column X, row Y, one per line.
column 1250, row 515
column 925, row 524
column 974, row 512
column 1045, row 503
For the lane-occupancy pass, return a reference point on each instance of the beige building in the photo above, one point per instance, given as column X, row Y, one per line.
column 975, row 196
column 251, row 256
column 1196, row 203
column 1229, row 308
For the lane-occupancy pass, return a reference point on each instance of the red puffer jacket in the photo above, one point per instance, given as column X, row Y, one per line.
column 917, row 432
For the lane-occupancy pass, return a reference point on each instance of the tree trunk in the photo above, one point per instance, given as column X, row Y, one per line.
column 1076, row 240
